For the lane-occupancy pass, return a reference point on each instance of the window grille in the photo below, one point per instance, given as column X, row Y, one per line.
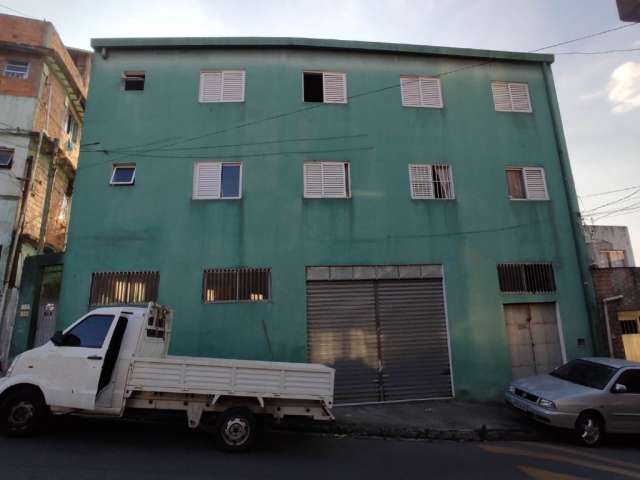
column 236, row 285
column 526, row 278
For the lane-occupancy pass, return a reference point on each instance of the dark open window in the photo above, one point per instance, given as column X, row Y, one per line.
column 89, row 333
column 133, row 80
column 236, row 285
column 526, row 278
column 6, row 157
column 313, row 91
column 118, row 288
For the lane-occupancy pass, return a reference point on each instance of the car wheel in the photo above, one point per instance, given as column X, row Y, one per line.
column 590, row 429
column 22, row 413
column 235, row 430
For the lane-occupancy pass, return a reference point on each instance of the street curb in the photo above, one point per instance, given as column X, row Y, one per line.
column 481, row 434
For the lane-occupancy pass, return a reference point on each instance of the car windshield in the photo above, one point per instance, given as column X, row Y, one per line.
column 583, row 372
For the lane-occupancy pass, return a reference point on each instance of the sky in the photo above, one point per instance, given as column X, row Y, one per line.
column 599, row 95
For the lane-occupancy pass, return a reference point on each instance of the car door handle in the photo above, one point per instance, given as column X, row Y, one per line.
column 94, row 357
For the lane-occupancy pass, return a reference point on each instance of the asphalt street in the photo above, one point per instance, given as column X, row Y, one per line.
column 98, row 449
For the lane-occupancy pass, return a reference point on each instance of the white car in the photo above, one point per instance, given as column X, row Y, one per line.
column 590, row 395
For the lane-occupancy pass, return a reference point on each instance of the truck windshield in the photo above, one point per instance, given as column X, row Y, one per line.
column 583, row 372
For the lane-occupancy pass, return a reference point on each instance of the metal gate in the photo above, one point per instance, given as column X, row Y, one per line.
column 533, row 337
column 387, row 339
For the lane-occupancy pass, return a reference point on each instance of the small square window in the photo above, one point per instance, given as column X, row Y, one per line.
column 217, row 180
column 123, row 174
column 6, row 157
column 324, row 87
column 526, row 183
column 133, row 81
column 16, row 69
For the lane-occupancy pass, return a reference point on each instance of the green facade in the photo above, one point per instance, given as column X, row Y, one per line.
column 155, row 225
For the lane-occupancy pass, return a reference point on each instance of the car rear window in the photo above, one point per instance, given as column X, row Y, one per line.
column 584, row 372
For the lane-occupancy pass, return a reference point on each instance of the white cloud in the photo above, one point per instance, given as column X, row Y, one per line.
column 624, row 87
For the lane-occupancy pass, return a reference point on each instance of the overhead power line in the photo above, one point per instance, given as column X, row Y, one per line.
column 598, row 194
column 635, row 192
column 601, row 52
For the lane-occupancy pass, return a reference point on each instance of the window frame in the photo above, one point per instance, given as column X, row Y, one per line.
column 607, row 257
column 222, row 74
column 219, row 197
column 347, row 179
column 24, row 76
column 117, row 166
column 433, row 181
column 323, row 73
column 527, row 198
column 132, row 75
column 236, row 271
column 505, row 270
column 98, row 289
column 12, row 154
column 420, row 78
column 508, row 85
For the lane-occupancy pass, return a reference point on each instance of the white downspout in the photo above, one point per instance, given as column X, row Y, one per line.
column 606, row 320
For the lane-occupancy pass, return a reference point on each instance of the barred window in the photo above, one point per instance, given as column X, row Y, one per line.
column 117, row 288
column 236, row 285
column 629, row 327
column 526, row 278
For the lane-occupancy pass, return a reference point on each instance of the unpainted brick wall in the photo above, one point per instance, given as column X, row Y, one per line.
column 610, row 282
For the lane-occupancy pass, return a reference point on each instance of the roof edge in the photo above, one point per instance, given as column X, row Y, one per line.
column 326, row 44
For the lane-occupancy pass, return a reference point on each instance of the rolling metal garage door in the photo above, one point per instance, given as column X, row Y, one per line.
column 414, row 343
column 387, row 339
column 342, row 333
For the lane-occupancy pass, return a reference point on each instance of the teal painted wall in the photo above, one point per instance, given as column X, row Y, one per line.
column 155, row 225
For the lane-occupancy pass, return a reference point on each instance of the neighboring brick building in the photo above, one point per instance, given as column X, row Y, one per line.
column 43, row 88
column 618, row 292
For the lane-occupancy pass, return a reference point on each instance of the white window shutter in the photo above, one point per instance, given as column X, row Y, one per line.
column 233, row 86
column 206, row 180
column 535, row 183
column 334, row 87
column 430, row 92
column 421, row 181
column 519, row 93
column 210, row 87
column 334, row 180
column 501, row 96
column 410, row 91
column 313, row 180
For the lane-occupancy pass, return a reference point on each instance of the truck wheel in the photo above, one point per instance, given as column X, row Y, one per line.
column 22, row 413
column 590, row 429
column 235, row 430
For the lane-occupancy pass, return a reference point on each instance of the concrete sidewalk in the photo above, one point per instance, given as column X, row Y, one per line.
column 435, row 419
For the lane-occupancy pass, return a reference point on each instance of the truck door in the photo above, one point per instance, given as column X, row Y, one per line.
column 76, row 365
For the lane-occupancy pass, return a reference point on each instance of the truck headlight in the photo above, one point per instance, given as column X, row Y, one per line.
column 511, row 389
column 548, row 404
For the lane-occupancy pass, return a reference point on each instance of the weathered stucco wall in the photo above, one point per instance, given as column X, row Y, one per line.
column 155, row 225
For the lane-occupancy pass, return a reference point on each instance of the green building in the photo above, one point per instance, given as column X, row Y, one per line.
column 404, row 213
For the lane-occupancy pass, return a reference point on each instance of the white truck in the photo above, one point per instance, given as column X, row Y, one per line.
column 115, row 358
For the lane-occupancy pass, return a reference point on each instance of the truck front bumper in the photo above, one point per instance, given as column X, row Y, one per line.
column 534, row 411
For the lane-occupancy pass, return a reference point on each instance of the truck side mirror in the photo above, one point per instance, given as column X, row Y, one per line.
column 619, row 388
column 58, row 338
